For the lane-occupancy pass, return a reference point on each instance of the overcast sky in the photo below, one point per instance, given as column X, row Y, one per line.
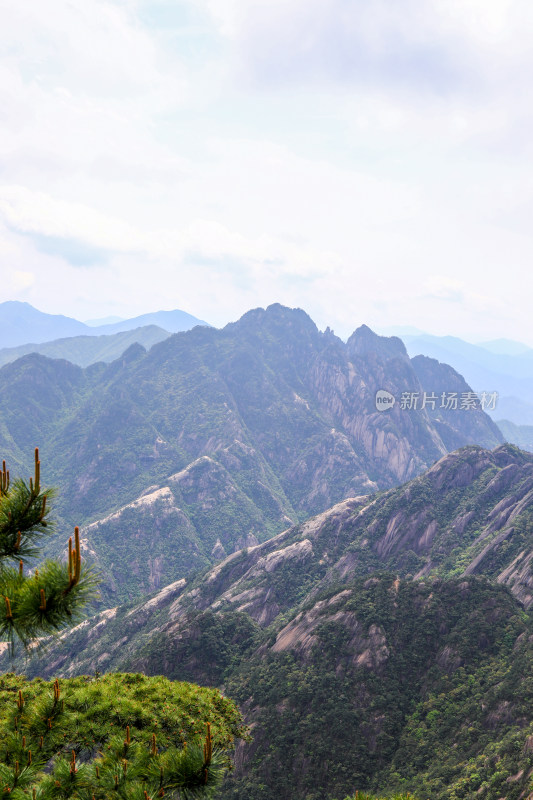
column 366, row 161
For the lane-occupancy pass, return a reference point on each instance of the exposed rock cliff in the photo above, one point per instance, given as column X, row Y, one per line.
column 469, row 514
column 250, row 428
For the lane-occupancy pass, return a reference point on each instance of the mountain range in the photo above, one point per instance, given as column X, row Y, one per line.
column 86, row 350
column 382, row 644
column 501, row 346
column 521, row 435
column 330, row 532
column 217, row 438
column 500, row 366
column 504, row 365
column 23, row 324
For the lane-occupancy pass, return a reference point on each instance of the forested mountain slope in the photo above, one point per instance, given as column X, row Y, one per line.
column 376, row 646
column 85, row 350
column 214, row 438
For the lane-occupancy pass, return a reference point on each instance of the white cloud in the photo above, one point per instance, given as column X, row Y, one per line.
column 455, row 70
column 107, row 52
column 471, row 33
column 332, row 156
column 442, row 288
column 39, row 213
column 21, row 280
column 198, row 241
column 80, row 82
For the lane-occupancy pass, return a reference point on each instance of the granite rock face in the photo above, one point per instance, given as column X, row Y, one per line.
column 246, row 430
column 470, row 514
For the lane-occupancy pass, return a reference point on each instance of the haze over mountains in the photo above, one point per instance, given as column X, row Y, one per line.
column 216, row 438
column 505, row 367
column 22, row 324
column 347, row 574
column 86, row 350
column 501, row 346
column 501, row 365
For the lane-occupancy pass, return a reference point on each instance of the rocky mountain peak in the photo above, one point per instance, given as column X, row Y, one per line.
column 364, row 341
column 278, row 320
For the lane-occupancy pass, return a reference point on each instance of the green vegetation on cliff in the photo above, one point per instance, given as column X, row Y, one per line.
column 391, row 686
column 124, row 736
column 382, row 685
column 215, row 439
column 353, row 677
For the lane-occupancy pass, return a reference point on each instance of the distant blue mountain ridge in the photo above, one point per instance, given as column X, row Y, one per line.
column 506, row 368
column 23, row 324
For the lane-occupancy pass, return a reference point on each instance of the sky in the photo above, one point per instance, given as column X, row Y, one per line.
column 369, row 162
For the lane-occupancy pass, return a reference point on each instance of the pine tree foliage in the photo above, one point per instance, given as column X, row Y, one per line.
column 54, row 594
column 59, row 742
column 56, row 743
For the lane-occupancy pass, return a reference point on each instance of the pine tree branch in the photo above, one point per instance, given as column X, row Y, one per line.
column 53, row 597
